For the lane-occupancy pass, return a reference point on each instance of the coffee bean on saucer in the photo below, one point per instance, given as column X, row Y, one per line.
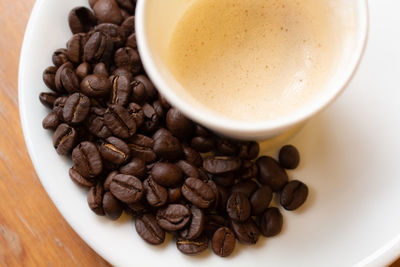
column 95, row 85
column 119, row 121
column 107, row 11
column 223, row 242
column 87, row 159
column 81, row 19
column 49, row 75
column 246, row 232
column 114, row 150
column 95, row 199
column 76, row 108
column 173, row 217
column 196, row 225
column 166, row 174
column 83, row 70
column 289, row 157
column 293, row 195
column 51, row 121
column 48, row 99
column 101, row 69
column 192, row 246
column 198, row 193
column 192, row 156
column 127, row 188
column 156, row 195
column 247, row 187
column 77, row 178
column 60, row 57
column 178, row 124
column 111, row 206
column 149, row 230
column 238, row 207
column 270, row 222
column 136, row 167
column 260, row 200
column 120, row 91
column 221, row 165
column 271, row 173
column 64, row 139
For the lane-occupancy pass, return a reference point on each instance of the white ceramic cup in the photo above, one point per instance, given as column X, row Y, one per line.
column 155, row 23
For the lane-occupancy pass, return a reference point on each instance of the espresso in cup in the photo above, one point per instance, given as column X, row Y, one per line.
column 256, row 60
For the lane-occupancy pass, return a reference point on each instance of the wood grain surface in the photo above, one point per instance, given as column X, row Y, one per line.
column 32, row 231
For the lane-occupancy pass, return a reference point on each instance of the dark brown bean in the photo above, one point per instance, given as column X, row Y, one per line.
column 248, row 170
column 223, row 196
column 87, row 159
column 119, row 121
column 114, row 150
column 260, row 200
column 293, row 195
column 114, row 32
column 150, row 90
column 289, row 157
column 131, row 41
column 95, row 125
column 271, row 173
column 76, row 108
column 246, row 232
column 173, row 217
column 128, row 25
column 227, row 147
column 95, row 85
column 226, row 180
column 129, row 5
column 249, row 150
column 83, row 70
column 98, row 48
column 59, row 57
column 247, row 187
column 196, row 225
column 156, row 195
column 198, row 193
column 178, row 124
column 95, row 199
column 148, row 229
column 174, row 195
column 77, row 178
column 138, row 91
column 142, row 147
column 238, row 207
column 203, row 144
column 166, row 174
column 136, row 209
column 101, row 69
column 120, row 92
column 81, row 19
column 111, row 206
column 107, row 11
column 136, row 167
column 221, row 165
column 137, row 113
column 64, row 139
column 66, row 79
column 151, row 121
column 49, row 75
column 48, row 99
column 127, row 188
column 271, row 222
column 51, row 121
column 168, row 147
column 192, row 247
column 223, row 242
column 108, row 180
column 212, row 223
column 188, row 169
column 128, row 58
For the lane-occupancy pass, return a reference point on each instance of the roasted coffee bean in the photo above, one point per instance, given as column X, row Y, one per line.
column 150, row 90
column 142, row 147
column 121, row 90
column 192, row 246
column 293, row 195
column 128, row 25
column 148, row 229
column 114, row 32
column 83, row 70
column 100, row 69
column 81, row 19
column 127, row 188
column 95, row 199
column 107, row 11
column 188, row 169
column 151, row 119
column 95, row 85
column 58, row 106
column 173, row 217
column 196, row 225
column 198, row 193
column 260, row 200
column 128, row 58
column 137, row 113
column 158, row 109
column 138, row 91
column 66, row 79
column 129, row 5
column 48, row 99
column 178, row 124
column 271, row 173
column 111, row 206
column 238, row 207
column 248, row 170
column 87, row 159
column 76, row 108
column 225, row 180
column 136, row 167
column 114, row 150
column 168, row 147
column 247, row 187
column 174, row 195
column 119, row 121
column 59, row 57
column 270, row 222
column 136, row 209
column 131, row 41
column 108, row 180
column 51, row 121
column 77, row 178
column 49, row 75
column 98, row 48
column 156, row 195
column 221, row 165
column 289, row 157
column 214, row 188
column 161, row 133
column 201, row 131
column 64, row 139
column 203, row 144
column 223, row 196
column 227, row 147
column 246, row 232
column 212, row 223
column 166, row 174
column 75, row 47
column 95, row 125
column 192, row 156
column 249, row 150
column 223, row 242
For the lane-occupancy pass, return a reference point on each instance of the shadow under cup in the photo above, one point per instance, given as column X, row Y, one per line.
column 155, row 24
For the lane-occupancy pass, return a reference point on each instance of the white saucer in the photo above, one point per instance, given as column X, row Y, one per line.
column 350, row 160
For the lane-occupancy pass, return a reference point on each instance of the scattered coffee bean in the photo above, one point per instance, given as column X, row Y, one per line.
column 271, row 173
column 60, row 57
column 166, row 174
column 271, row 222
column 293, row 195
column 81, row 19
column 173, row 217
column 51, row 121
column 188, row 169
column 226, row 180
column 108, row 180
column 192, row 246
column 76, row 108
column 192, row 156
column 95, row 199
column 136, row 167
column 95, row 85
column 49, row 75
column 156, row 195
column 87, row 159
column 64, row 139
column 238, row 207
column 114, row 150
column 142, row 147
column 246, row 232
column 249, row 150
column 149, row 230
column 98, row 48
column 111, row 206
column 203, row 144
column 174, row 195
column 247, row 187
column 196, row 225
column 221, row 165
column 121, row 90
column 83, row 70
column 101, row 69
column 107, row 11
column 178, row 124
column 212, row 223
column 198, row 193
column 48, row 99
column 119, row 121
column 66, row 79
column 223, row 242
column 260, row 200
column 289, row 157
column 167, row 147
column 77, row 178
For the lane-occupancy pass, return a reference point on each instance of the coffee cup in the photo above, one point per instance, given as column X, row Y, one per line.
column 157, row 22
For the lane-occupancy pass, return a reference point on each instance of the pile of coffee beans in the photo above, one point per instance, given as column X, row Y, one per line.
column 136, row 153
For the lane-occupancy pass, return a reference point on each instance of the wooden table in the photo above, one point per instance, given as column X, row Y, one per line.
column 32, row 231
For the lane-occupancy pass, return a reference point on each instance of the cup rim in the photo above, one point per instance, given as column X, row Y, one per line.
column 239, row 127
